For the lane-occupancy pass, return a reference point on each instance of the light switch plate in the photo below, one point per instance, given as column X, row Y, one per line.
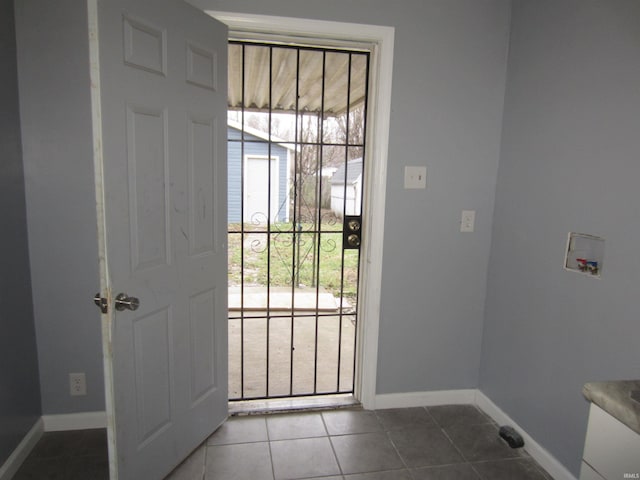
column 415, row 177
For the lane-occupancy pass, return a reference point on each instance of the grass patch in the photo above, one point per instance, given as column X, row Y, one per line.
column 302, row 259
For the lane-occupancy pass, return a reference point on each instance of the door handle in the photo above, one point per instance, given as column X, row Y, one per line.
column 125, row 302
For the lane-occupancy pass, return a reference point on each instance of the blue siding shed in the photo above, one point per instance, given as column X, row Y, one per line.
column 252, row 152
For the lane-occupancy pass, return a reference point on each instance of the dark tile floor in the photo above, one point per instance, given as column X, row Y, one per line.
column 73, row 455
column 451, row 442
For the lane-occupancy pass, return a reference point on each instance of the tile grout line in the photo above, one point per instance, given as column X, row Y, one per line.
column 333, row 448
column 476, row 471
column 468, row 461
column 386, row 432
column 273, row 468
column 454, row 444
column 206, row 454
column 444, row 432
column 538, row 468
column 475, row 466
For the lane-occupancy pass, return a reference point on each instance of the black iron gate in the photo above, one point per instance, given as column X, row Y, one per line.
column 296, row 150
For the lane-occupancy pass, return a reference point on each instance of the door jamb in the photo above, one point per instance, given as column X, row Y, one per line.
column 380, row 40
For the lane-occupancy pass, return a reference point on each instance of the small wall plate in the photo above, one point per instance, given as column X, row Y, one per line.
column 584, row 254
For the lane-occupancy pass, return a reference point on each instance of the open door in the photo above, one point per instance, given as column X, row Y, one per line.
column 159, row 105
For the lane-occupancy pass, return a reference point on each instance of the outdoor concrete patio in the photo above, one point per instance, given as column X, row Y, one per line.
column 274, row 335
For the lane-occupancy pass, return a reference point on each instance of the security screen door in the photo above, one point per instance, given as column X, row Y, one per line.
column 159, row 105
column 296, row 149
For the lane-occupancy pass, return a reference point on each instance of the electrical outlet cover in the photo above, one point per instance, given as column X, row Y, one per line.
column 468, row 220
column 77, row 384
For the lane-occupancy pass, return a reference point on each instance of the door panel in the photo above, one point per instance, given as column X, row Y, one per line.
column 148, row 179
column 144, row 46
column 152, row 363
column 203, row 339
column 162, row 95
column 202, row 191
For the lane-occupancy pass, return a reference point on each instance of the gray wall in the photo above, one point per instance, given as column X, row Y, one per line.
column 448, row 88
column 449, row 74
column 569, row 162
column 58, row 160
column 19, row 387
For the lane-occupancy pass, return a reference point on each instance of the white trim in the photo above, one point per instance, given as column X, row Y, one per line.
column 425, row 399
column 74, row 421
column 301, row 30
column 375, row 188
column 261, row 135
column 537, row 451
column 379, row 40
column 9, row 468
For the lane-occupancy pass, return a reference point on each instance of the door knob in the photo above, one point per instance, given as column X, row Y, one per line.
column 125, row 302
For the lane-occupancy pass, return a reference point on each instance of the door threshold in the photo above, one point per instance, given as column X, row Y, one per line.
column 292, row 404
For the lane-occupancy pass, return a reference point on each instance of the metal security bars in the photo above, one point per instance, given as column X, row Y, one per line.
column 296, row 150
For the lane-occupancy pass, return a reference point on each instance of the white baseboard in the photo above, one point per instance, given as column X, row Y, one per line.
column 537, row 451
column 22, row 451
column 74, row 421
column 425, row 399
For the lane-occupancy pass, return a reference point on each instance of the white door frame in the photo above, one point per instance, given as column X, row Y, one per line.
column 379, row 40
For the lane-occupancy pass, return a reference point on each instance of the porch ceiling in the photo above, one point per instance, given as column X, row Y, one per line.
column 344, row 83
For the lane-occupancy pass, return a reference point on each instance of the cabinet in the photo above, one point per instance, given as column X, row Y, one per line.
column 611, row 448
column 588, row 473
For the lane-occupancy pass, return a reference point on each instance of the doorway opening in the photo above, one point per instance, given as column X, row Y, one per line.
column 296, row 164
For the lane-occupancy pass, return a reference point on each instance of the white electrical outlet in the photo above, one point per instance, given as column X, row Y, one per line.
column 77, row 384
column 415, row 177
column 467, row 221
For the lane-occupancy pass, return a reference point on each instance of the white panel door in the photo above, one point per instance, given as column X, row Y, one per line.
column 159, row 102
column 256, row 189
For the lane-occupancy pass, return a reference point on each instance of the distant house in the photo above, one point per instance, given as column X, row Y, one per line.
column 346, row 189
column 255, row 195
